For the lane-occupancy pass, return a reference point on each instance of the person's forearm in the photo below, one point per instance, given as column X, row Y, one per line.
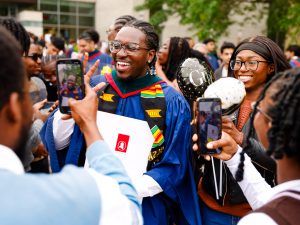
column 91, row 134
column 253, row 184
column 102, row 160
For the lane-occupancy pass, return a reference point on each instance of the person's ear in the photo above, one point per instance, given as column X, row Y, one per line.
column 271, row 68
column 151, row 55
column 14, row 110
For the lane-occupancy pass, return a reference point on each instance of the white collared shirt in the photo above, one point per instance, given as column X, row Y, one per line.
column 115, row 205
column 10, row 161
column 256, row 189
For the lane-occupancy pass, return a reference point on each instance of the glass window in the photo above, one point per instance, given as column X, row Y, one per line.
column 86, row 21
column 49, row 18
column 3, row 11
column 68, row 19
column 69, row 7
column 87, row 9
column 49, row 7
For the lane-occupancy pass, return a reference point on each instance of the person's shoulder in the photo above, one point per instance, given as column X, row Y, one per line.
column 73, row 188
column 173, row 96
column 170, row 91
column 257, row 218
column 105, row 56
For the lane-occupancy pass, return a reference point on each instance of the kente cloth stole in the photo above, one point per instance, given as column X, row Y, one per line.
column 154, row 107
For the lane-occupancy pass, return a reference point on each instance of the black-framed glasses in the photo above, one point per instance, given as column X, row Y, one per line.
column 249, row 65
column 129, row 47
column 261, row 111
column 35, row 56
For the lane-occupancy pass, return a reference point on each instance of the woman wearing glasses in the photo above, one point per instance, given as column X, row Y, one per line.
column 254, row 62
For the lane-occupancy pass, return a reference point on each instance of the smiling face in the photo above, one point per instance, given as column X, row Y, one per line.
column 252, row 80
column 33, row 67
column 130, row 65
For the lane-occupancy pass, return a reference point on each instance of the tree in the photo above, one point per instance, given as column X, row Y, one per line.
column 211, row 18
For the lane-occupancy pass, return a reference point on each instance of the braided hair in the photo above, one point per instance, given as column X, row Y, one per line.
column 18, row 31
column 121, row 21
column 152, row 40
column 283, row 90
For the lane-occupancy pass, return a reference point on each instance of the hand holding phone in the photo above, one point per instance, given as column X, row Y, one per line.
column 209, row 123
column 70, row 82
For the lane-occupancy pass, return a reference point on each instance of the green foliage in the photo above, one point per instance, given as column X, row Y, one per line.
column 211, row 18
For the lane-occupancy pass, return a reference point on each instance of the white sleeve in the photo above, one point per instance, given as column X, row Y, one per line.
column 146, row 186
column 62, row 130
column 115, row 208
column 253, row 183
column 257, row 218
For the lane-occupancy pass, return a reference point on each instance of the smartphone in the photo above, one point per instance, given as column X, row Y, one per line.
column 70, row 82
column 46, row 107
column 209, row 123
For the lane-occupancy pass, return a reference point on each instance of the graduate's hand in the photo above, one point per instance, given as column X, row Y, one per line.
column 84, row 112
column 229, row 127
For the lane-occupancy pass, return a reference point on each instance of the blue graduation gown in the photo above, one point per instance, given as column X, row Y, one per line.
column 178, row 203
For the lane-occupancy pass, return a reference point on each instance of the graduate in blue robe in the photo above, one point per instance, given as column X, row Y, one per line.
column 177, row 203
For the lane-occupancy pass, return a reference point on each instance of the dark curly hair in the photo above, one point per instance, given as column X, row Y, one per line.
column 283, row 136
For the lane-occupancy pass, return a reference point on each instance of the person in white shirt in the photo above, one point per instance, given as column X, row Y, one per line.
column 101, row 194
column 275, row 119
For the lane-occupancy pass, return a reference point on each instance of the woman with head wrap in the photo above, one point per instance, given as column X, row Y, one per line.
column 254, row 62
column 275, row 119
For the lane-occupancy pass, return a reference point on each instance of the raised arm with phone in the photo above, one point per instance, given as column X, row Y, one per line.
column 246, row 66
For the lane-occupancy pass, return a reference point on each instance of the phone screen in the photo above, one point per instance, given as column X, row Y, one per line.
column 70, row 82
column 209, row 120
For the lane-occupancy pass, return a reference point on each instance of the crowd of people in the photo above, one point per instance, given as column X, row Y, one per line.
column 43, row 151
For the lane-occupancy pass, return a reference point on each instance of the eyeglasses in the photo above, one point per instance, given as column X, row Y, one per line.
column 129, row 47
column 35, row 56
column 249, row 65
column 261, row 111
